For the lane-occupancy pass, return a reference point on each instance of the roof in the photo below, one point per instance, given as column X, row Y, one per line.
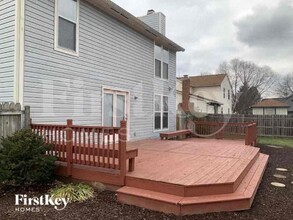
column 133, row 22
column 206, row 80
column 210, row 101
column 271, row 103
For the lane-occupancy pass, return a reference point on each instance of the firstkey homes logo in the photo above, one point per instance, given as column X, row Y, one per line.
column 34, row 204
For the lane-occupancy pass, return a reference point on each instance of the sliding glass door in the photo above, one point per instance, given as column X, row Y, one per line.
column 114, row 108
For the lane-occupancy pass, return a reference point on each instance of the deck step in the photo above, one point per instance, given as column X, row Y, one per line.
column 241, row 199
column 228, row 183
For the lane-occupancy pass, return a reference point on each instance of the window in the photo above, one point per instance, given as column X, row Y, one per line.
column 228, row 94
column 161, row 62
column 161, row 115
column 66, row 26
column 224, row 90
column 222, row 110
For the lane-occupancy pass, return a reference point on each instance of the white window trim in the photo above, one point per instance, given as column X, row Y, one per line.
column 56, row 30
column 162, row 64
column 161, row 112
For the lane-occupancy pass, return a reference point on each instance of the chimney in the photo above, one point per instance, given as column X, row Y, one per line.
column 151, row 11
column 156, row 20
column 185, row 93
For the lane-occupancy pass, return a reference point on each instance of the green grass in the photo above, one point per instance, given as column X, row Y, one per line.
column 276, row 141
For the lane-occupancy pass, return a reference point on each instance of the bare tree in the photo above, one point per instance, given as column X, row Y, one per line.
column 285, row 87
column 248, row 73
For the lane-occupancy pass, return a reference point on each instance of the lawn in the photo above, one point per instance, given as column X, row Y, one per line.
column 276, row 141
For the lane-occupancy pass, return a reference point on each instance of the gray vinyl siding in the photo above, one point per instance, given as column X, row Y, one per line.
column 59, row 86
column 7, row 28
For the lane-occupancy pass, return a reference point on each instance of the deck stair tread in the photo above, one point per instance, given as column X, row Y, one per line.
column 241, row 198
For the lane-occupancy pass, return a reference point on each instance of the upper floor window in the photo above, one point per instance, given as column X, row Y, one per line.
column 224, row 91
column 66, row 25
column 228, row 94
column 161, row 62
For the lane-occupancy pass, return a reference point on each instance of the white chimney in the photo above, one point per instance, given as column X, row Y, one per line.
column 156, row 20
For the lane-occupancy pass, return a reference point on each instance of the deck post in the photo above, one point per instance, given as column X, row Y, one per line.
column 69, row 152
column 122, row 149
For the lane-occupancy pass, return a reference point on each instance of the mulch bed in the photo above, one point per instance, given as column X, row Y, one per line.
column 270, row 202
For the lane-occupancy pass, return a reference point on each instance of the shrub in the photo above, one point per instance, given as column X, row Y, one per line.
column 73, row 192
column 23, row 160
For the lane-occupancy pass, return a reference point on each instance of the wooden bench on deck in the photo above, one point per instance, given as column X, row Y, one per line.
column 175, row 134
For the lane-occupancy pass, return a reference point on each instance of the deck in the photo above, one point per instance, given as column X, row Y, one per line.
column 193, row 175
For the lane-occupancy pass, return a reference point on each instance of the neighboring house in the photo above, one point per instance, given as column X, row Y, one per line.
column 210, row 94
column 90, row 61
column 270, row 107
column 289, row 101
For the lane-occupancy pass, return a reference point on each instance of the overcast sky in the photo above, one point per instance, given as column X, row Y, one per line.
column 213, row 31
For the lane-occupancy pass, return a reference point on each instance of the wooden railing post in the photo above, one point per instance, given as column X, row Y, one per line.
column 69, row 153
column 247, row 134
column 122, row 149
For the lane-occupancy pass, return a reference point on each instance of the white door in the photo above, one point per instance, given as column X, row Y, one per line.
column 115, row 108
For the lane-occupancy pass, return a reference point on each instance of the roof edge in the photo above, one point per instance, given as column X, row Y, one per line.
column 113, row 10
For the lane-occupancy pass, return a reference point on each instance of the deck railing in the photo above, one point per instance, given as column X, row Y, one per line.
column 94, row 146
column 221, row 129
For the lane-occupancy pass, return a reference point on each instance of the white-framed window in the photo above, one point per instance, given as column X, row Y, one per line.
column 224, row 91
column 67, row 26
column 161, row 63
column 229, row 94
column 161, row 112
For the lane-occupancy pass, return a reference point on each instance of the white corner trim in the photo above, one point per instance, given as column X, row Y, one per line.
column 56, row 30
column 19, row 51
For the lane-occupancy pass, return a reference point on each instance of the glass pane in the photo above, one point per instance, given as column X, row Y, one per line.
column 157, row 103
column 67, row 9
column 165, row 56
column 165, row 103
column 157, row 120
column 158, row 68
column 158, row 53
column 120, row 109
column 67, row 34
column 108, row 110
column 165, row 71
column 165, row 120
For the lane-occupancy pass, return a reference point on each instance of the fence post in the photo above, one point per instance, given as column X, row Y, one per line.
column 27, row 118
column 69, row 153
column 122, row 149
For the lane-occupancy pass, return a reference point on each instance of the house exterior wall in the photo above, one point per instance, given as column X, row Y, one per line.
column 212, row 93
column 227, row 103
column 58, row 86
column 270, row 111
column 200, row 105
column 7, row 49
column 257, row 111
column 281, row 111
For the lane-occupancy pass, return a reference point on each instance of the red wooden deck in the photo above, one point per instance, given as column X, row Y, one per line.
column 193, row 175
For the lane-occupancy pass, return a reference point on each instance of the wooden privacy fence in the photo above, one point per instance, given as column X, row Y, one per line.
column 267, row 125
column 12, row 118
column 222, row 129
column 88, row 152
